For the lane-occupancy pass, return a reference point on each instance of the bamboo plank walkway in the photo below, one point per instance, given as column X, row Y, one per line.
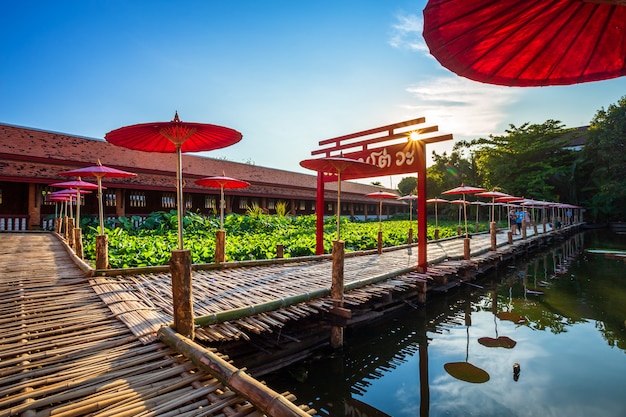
column 144, row 301
column 63, row 351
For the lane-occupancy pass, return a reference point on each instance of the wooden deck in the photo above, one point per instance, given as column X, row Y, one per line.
column 64, row 352
column 144, row 300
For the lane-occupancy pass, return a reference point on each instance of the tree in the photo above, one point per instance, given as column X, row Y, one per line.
column 530, row 160
column 407, row 185
column 604, row 164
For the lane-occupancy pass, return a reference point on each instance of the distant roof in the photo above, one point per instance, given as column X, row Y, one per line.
column 39, row 155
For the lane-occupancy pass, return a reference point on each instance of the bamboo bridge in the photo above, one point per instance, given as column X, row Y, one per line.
column 77, row 341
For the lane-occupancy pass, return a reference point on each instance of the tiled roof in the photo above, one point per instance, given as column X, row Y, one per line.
column 32, row 155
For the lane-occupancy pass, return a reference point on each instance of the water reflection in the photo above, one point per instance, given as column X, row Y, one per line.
column 563, row 311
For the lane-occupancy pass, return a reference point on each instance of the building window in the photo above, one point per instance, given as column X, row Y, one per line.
column 302, row 206
column 110, row 199
column 271, row 203
column 137, row 199
column 189, row 202
column 210, row 202
column 168, row 200
column 243, row 203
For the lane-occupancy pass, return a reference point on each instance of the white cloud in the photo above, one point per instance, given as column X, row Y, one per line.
column 407, row 33
column 462, row 107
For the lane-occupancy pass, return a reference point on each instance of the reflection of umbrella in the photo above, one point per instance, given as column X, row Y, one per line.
column 464, row 189
column 221, row 183
column 493, row 195
column 339, row 165
column 77, row 185
column 175, row 136
column 499, row 341
column 380, row 195
column 99, row 171
column 513, row 43
column 435, row 201
column 465, row 371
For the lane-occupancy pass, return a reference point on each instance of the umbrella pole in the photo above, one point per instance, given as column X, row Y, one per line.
column 338, row 204
column 179, row 196
column 77, row 208
column 100, row 204
column 222, row 207
column 465, row 215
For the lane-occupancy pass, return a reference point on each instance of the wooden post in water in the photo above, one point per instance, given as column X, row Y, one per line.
column 466, row 249
column 220, row 242
column 380, row 242
column 180, row 268
column 102, row 252
column 336, row 290
column 280, row 250
column 492, row 235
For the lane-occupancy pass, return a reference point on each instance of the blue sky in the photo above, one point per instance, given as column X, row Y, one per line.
column 286, row 74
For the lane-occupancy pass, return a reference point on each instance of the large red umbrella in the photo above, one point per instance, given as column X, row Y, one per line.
column 174, row 137
column 222, row 182
column 528, row 43
column 464, row 189
column 339, row 165
column 99, row 171
column 381, row 195
column 77, row 185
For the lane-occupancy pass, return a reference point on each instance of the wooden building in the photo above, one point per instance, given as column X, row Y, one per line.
column 31, row 159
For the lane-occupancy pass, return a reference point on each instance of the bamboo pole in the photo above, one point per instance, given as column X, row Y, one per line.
column 258, row 394
column 337, row 289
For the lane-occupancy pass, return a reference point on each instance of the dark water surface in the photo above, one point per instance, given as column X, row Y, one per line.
column 564, row 310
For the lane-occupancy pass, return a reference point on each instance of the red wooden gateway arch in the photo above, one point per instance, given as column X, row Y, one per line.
column 399, row 148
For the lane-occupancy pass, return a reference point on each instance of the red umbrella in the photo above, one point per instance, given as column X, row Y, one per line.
column 464, row 189
column 380, row 195
column 493, row 194
column 339, row 165
column 435, row 201
column 221, row 183
column 99, row 171
column 77, row 185
column 530, row 43
column 175, row 136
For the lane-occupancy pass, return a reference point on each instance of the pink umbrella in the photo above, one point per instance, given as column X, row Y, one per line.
column 465, row 189
column 77, row 185
column 221, row 183
column 435, row 201
column 380, row 195
column 99, row 171
column 339, row 165
column 174, row 137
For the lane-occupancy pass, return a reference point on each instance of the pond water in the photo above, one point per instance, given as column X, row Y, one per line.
column 560, row 315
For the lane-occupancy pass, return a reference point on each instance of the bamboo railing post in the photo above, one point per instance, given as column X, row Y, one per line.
column 410, row 240
column 69, row 234
column 180, row 268
column 437, row 234
column 102, row 252
column 459, row 230
column 220, row 245
column 336, row 290
column 492, row 235
column 466, row 248
column 280, row 250
column 524, row 229
column 78, row 242
column 380, row 242
column 261, row 396
column 510, row 237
